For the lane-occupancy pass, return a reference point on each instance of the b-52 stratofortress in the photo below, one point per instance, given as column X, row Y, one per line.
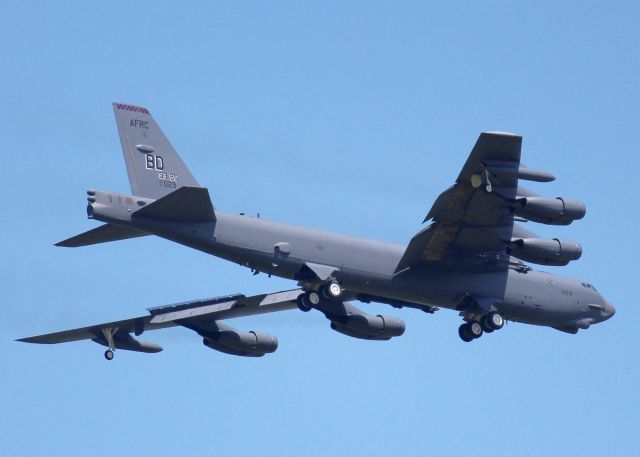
column 469, row 258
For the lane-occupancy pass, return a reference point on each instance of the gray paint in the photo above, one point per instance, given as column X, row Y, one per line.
column 460, row 261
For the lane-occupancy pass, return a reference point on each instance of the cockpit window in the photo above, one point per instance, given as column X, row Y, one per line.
column 586, row 285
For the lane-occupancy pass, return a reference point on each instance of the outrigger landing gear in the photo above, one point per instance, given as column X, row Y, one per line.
column 107, row 333
column 474, row 329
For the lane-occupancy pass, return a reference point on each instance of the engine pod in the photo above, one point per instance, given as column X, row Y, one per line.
column 545, row 252
column 231, row 341
column 554, row 211
column 365, row 326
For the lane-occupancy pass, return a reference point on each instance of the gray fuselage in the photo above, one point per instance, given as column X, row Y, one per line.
column 366, row 267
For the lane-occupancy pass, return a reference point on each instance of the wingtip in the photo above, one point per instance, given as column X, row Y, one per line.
column 33, row 339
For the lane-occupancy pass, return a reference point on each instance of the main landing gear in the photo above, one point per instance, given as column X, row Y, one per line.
column 331, row 290
column 474, row 329
column 308, row 300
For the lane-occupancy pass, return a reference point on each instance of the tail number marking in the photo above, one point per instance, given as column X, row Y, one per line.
column 154, row 162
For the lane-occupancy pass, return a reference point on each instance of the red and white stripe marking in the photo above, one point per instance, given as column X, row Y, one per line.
column 137, row 109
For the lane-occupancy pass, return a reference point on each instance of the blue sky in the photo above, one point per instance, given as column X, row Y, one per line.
column 364, row 110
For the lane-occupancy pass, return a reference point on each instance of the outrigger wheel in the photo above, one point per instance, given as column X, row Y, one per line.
column 107, row 333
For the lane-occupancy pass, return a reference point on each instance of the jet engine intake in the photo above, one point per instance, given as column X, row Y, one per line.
column 234, row 342
column 553, row 211
column 545, row 252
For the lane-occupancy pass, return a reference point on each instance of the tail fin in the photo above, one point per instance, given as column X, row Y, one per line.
column 154, row 167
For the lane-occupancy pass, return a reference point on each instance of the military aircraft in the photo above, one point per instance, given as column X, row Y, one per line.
column 468, row 258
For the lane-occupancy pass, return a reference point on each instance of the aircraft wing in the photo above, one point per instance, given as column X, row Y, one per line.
column 199, row 315
column 472, row 221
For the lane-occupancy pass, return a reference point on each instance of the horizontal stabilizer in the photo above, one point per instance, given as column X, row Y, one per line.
column 187, row 204
column 102, row 234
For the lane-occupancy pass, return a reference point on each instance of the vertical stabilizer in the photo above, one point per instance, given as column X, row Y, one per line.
column 155, row 169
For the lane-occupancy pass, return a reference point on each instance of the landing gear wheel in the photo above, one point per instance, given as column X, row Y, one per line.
column 495, row 320
column 486, row 324
column 302, row 303
column 312, row 298
column 108, row 354
column 307, row 301
column 463, row 331
column 475, row 329
column 332, row 289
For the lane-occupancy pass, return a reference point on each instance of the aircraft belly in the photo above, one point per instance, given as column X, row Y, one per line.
column 440, row 288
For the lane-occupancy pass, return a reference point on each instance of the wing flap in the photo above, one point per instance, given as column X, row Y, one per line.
column 244, row 306
column 415, row 250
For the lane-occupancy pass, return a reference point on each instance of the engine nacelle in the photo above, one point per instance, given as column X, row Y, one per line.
column 554, row 211
column 545, row 252
column 368, row 327
column 234, row 342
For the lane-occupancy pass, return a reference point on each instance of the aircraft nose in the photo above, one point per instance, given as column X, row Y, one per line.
column 609, row 310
